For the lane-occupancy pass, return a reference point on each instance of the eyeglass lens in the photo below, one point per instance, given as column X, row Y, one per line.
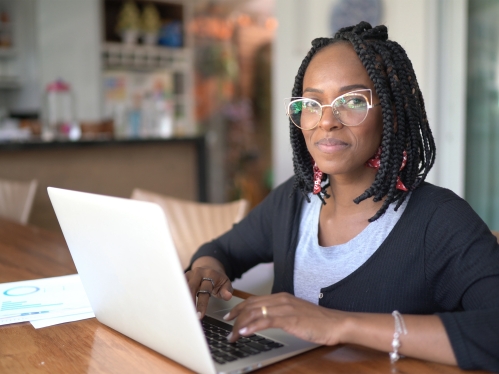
column 350, row 110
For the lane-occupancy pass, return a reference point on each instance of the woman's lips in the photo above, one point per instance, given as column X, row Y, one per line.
column 330, row 145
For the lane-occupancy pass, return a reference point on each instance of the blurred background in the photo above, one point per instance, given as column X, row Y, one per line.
column 185, row 98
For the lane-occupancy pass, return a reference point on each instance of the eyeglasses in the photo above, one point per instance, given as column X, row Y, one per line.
column 350, row 109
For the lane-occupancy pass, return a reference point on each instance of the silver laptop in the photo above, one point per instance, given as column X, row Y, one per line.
column 130, row 270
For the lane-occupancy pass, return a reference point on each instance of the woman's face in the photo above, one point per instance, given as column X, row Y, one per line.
column 338, row 149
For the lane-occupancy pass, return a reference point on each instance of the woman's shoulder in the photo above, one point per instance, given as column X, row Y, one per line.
column 429, row 202
column 285, row 190
column 442, row 205
column 282, row 197
column 287, row 185
column 433, row 195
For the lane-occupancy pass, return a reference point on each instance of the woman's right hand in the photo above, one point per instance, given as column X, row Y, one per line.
column 208, row 274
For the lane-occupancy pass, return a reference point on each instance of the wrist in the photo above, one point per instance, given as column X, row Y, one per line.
column 347, row 328
column 350, row 331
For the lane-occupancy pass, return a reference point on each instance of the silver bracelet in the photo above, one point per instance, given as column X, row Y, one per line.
column 399, row 330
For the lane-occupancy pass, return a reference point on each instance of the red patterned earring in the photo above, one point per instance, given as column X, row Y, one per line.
column 317, row 179
column 375, row 161
column 400, row 185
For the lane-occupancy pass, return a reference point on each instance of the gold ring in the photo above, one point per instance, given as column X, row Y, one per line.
column 264, row 312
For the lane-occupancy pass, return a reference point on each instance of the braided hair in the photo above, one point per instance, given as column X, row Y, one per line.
column 405, row 124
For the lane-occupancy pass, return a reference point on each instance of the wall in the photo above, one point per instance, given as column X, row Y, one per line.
column 25, row 63
column 427, row 29
column 62, row 25
column 450, row 93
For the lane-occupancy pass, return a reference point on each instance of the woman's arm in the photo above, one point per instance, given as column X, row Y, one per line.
column 462, row 272
column 249, row 242
column 426, row 338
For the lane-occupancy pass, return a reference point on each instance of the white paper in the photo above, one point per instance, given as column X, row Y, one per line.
column 42, row 298
column 58, row 320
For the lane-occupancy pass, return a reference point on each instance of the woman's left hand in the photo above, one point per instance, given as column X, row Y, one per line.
column 296, row 316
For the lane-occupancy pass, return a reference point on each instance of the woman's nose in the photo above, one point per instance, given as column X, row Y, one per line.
column 329, row 121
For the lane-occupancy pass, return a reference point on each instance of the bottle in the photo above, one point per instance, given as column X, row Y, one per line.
column 149, row 116
column 135, row 117
column 58, row 113
column 164, row 117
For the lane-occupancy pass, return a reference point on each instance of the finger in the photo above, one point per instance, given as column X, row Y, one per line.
column 202, row 304
column 250, row 302
column 199, row 276
column 224, row 290
column 193, row 281
column 249, row 322
column 257, row 308
column 208, row 282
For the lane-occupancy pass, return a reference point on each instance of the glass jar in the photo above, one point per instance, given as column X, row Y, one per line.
column 59, row 121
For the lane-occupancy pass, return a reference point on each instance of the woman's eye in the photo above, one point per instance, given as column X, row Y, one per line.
column 356, row 103
column 310, row 105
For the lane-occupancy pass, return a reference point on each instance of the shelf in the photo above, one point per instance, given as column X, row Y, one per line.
column 148, row 76
column 38, row 143
column 142, row 57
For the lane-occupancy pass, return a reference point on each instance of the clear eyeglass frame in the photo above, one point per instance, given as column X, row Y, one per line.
column 365, row 92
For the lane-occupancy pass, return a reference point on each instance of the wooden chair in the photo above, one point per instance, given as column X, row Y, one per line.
column 16, row 199
column 496, row 233
column 191, row 223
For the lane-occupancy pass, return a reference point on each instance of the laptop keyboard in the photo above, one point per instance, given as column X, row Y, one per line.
column 222, row 351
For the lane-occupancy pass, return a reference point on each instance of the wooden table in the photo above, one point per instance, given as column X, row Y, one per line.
column 90, row 347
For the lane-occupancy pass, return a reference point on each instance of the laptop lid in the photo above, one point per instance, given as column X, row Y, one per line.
column 128, row 265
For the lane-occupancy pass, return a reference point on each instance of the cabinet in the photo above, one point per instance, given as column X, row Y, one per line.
column 148, row 85
column 173, row 167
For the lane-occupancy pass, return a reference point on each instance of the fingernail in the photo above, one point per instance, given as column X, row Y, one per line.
column 199, row 315
column 226, row 317
column 229, row 336
column 243, row 331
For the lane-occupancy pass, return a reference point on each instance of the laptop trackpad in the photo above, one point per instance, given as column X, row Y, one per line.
column 217, row 308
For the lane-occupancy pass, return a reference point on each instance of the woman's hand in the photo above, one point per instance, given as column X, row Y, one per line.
column 296, row 316
column 207, row 277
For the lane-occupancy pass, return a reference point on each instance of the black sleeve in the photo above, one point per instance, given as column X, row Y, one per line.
column 249, row 242
column 462, row 269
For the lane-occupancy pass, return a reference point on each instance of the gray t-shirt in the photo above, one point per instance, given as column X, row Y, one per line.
column 318, row 267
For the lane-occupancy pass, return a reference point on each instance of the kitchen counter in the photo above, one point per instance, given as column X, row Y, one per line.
column 174, row 167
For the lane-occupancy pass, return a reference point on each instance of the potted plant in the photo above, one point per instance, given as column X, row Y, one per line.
column 151, row 23
column 128, row 25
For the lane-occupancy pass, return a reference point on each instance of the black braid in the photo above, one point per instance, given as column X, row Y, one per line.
column 405, row 124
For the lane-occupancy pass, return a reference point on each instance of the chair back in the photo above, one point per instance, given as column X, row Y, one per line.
column 496, row 233
column 16, row 199
column 191, row 223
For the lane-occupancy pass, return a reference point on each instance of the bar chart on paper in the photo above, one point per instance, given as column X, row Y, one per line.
column 47, row 298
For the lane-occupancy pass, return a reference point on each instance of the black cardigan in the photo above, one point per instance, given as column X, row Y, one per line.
column 439, row 258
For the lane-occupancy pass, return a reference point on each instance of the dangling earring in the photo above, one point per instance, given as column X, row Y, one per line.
column 317, row 179
column 375, row 162
column 400, row 185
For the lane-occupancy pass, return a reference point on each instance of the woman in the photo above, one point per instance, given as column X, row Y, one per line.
column 359, row 241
